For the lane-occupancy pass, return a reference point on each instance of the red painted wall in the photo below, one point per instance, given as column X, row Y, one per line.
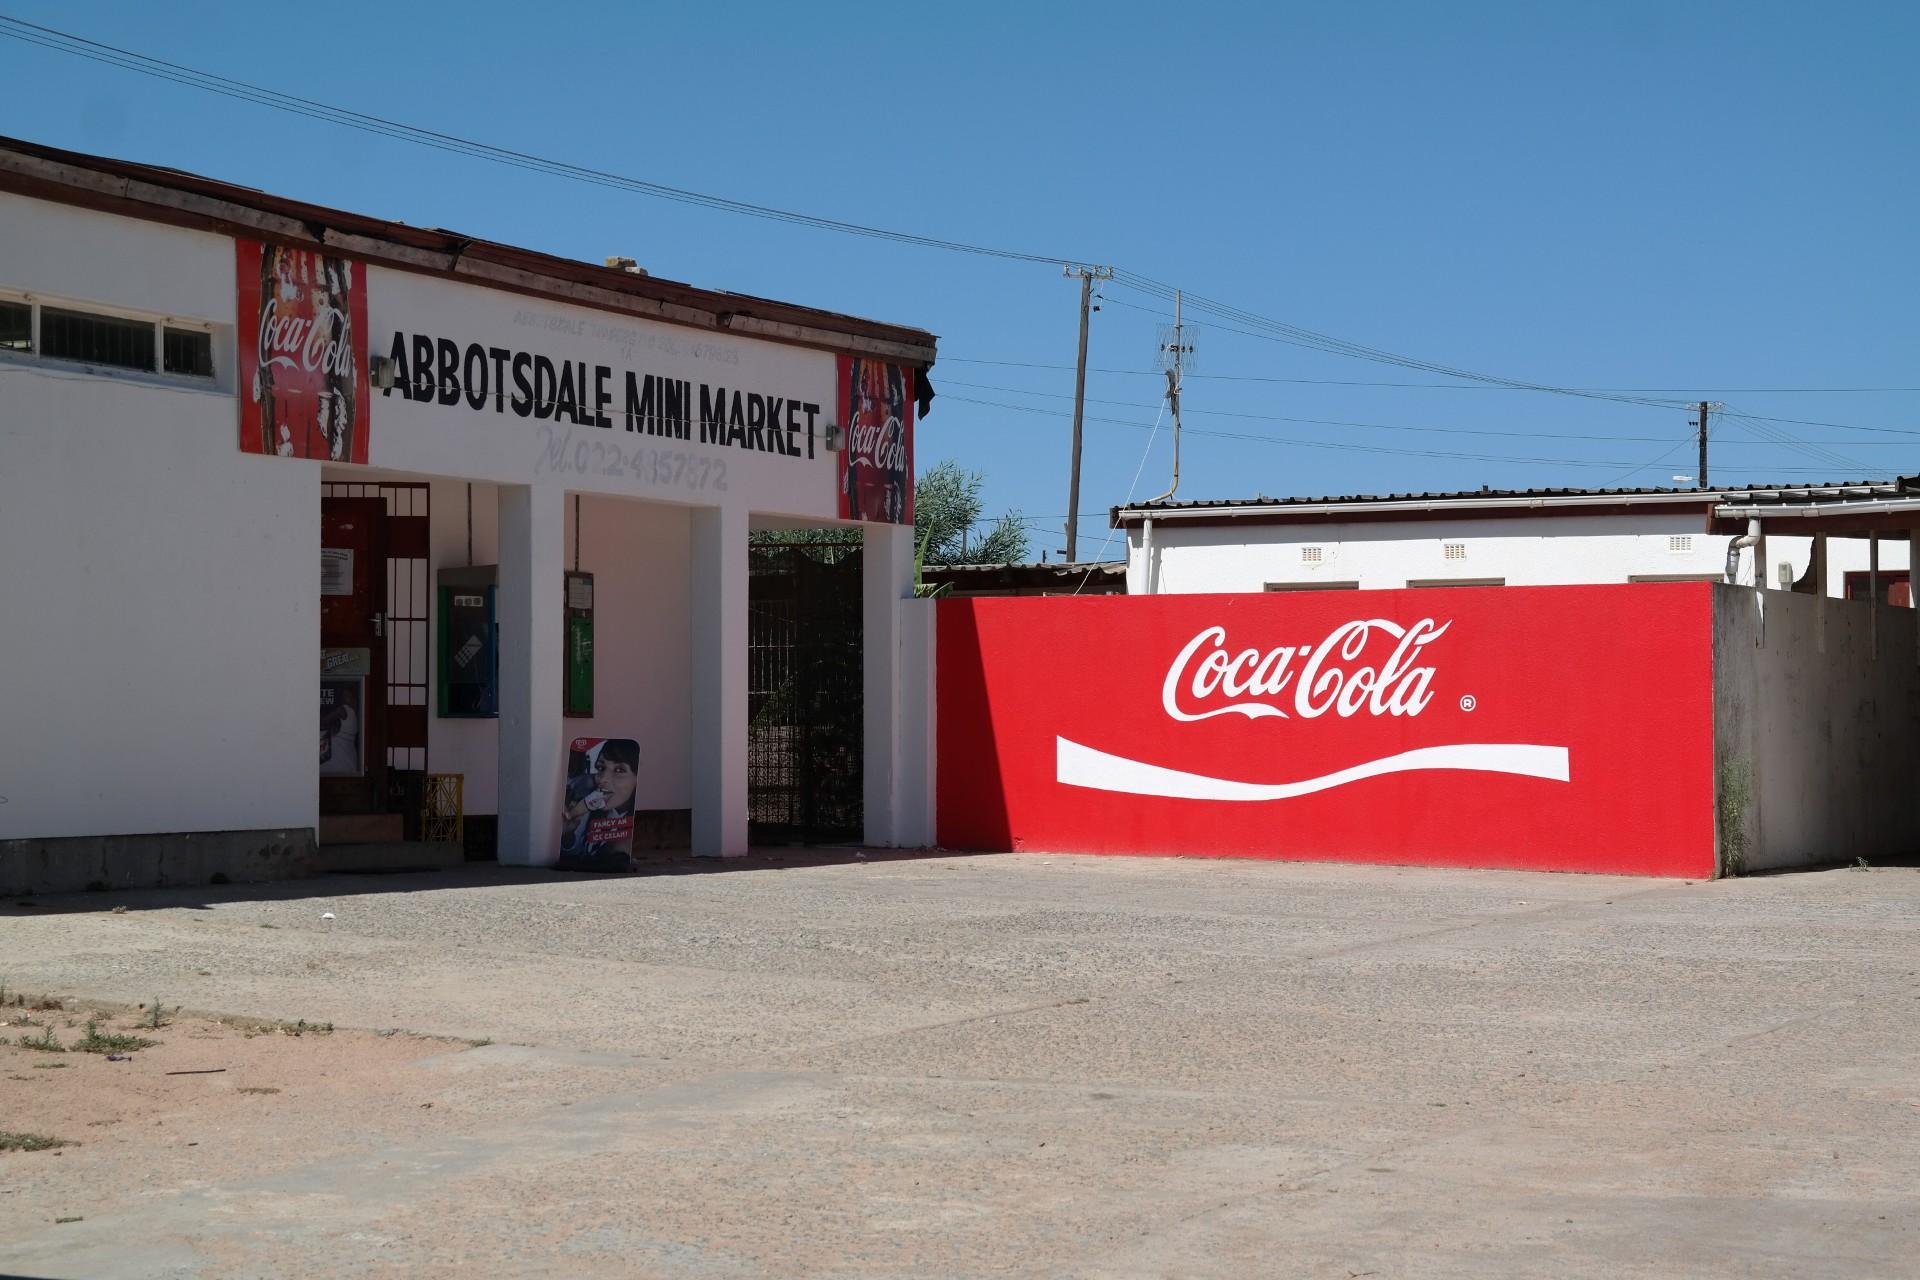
column 1552, row 728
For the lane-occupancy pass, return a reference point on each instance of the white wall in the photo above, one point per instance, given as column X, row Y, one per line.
column 1816, row 729
column 1535, row 550
column 640, row 557
column 467, row 747
column 159, row 602
column 638, row 554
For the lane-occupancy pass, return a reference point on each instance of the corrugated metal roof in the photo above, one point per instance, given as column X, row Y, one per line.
column 1058, row 569
column 1844, row 490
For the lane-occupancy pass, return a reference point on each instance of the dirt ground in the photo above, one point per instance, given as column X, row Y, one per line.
column 203, row 1097
column 884, row 1068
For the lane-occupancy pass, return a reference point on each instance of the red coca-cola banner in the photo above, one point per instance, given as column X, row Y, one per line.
column 304, row 389
column 876, row 458
column 1551, row 728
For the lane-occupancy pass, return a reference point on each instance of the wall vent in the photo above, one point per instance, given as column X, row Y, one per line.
column 1310, row 555
column 1680, row 542
column 1454, row 550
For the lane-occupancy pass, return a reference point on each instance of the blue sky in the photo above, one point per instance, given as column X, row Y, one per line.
column 1696, row 197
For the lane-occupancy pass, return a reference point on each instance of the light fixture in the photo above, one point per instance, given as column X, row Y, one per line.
column 380, row 372
column 836, row 437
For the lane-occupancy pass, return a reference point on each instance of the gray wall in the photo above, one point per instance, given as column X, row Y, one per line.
column 1816, row 729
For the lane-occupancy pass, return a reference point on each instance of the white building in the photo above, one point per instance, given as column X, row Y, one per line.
column 1531, row 537
column 258, row 456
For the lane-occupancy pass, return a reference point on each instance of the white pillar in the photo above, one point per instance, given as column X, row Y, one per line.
column 533, row 745
column 887, row 571
column 719, row 739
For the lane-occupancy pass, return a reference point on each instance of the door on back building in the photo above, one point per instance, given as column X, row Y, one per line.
column 353, row 666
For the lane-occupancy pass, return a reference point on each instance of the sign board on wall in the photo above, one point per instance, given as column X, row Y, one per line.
column 498, row 386
column 876, row 459
column 1552, row 728
column 302, row 323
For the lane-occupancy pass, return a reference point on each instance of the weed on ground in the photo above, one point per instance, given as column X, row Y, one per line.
column 46, row 1042
column 98, row 1041
column 10, row 1141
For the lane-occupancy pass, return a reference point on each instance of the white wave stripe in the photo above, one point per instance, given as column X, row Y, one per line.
column 1080, row 766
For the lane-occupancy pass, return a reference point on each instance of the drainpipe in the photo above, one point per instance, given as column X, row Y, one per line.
column 1146, row 557
column 1750, row 538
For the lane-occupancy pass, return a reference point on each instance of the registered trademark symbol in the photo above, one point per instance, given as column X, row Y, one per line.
column 1469, row 702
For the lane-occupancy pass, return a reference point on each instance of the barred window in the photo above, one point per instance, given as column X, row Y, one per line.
column 16, row 326
column 188, row 351
column 96, row 339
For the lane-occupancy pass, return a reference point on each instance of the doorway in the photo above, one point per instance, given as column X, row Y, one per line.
column 806, row 730
column 373, row 660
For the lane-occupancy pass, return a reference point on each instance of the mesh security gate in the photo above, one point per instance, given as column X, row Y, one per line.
column 804, row 695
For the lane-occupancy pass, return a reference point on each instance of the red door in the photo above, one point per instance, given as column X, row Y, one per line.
column 353, row 655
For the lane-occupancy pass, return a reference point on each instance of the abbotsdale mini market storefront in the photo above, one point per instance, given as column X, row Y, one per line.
column 486, row 510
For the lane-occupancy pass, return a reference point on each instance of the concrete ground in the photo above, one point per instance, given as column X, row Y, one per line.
column 1016, row 1065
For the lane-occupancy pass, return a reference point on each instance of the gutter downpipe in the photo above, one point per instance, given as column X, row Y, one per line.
column 1750, row 538
column 1146, row 556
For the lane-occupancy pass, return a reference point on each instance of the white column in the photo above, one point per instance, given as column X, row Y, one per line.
column 887, row 571
column 719, row 672
column 533, row 745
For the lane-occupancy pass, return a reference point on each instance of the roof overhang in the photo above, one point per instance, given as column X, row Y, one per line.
column 183, row 199
column 1412, row 508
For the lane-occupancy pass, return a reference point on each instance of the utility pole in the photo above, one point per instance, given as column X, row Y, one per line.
column 1703, row 445
column 1087, row 276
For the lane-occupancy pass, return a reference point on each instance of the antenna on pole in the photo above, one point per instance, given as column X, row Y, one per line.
column 1176, row 357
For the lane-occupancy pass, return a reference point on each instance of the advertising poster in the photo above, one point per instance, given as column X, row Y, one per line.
column 1548, row 728
column 341, row 699
column 876, row 459
column 302, row 324
column 596, row 813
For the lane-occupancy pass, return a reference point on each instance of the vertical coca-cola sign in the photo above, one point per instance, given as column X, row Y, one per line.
column 876, row 458
column 302, row 320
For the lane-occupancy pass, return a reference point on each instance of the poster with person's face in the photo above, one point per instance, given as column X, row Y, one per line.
column 596, row 811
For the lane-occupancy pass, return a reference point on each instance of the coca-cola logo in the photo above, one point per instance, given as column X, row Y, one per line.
column 321, row 343
column 1369, row 664
column 883, row 442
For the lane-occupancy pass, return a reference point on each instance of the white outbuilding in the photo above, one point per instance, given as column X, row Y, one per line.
column 1516, row 537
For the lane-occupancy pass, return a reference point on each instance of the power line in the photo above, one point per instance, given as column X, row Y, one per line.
column 1254, row 324
column 1441, row 386
column 159, row 68
column 1267, row 329
column 1366, row 448
column 1369, row 426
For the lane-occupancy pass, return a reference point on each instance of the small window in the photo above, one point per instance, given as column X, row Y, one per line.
column 96, row 339
column 1310, row 555
column 189, row 352
column 1455, row 550
column 1311, row 586
column 16, row 326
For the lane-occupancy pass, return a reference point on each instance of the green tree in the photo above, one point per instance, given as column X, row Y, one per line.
column 946, row 520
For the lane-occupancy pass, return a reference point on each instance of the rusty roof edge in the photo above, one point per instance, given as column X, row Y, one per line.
column 172, row 195
column 1495, row 499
